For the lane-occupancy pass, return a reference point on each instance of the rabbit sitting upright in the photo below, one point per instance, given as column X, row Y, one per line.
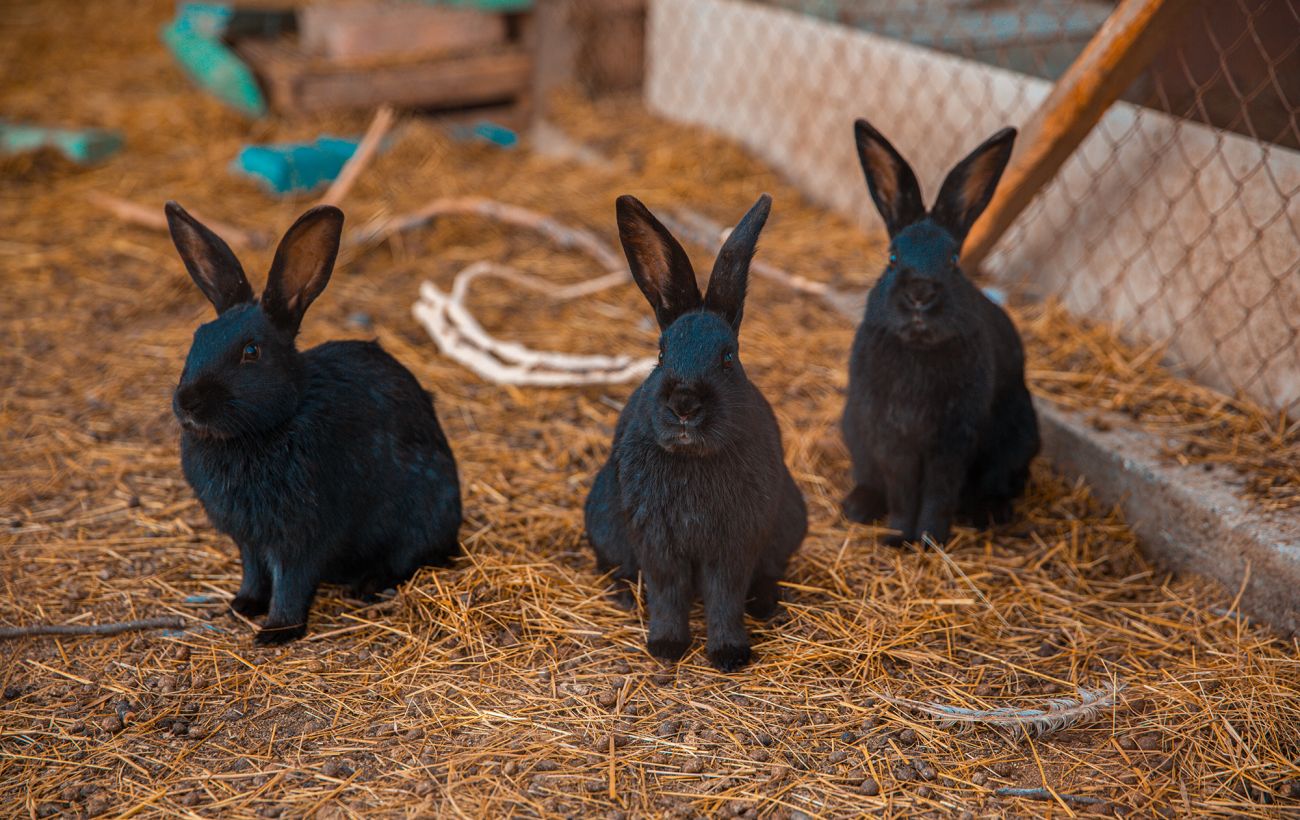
column 695, row 494
column 937, row 420
column 326, row 465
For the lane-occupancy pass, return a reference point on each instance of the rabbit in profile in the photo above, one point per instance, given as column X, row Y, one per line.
column 695, row 495
column 325, row 465
column 937, row 420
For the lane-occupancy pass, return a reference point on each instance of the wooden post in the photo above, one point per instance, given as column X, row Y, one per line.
column 1113, row 59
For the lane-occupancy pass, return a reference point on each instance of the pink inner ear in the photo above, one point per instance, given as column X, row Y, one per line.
column 884, row 171
column 653, row 256
column 978, row 177
column 306, row 257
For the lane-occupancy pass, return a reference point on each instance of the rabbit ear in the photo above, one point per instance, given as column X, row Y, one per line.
column 211, row 263
column 970, row 185
column 659, row 265
column 890, row 179
column 726, row 294
column 302, row 265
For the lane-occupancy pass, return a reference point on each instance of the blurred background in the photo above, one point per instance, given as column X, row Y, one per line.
column 1175, row 219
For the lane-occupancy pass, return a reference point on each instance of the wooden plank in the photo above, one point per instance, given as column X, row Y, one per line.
column 597, row 44
column 356, row 33
column 556, row 50
column 1111, row 61
column 444, row 84
column 612, row 54
column 295, row 82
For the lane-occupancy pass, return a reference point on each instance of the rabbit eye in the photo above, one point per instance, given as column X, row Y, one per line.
column 728, row 358
column 250, row 353
column 661, row 356
column 893, row 258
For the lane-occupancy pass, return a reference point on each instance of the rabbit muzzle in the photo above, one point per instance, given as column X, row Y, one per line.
column 199, row 405
column 919, row 304
column 683, row 420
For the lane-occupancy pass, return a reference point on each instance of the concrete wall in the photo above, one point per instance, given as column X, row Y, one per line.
column 1172, row 230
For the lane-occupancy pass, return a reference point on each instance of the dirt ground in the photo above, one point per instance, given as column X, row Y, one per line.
column 508, row 685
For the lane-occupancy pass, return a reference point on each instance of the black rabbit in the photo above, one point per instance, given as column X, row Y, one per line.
column 324, row 466
column 696, row 494
column 937, row 420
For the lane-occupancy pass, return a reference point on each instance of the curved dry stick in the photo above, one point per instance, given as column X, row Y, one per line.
column 135, row 214
column 37, row 630
column 578, row 239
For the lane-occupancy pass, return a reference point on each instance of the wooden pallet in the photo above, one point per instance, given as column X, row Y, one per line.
column 360, row 55
column 296, row 82
column 597, row 45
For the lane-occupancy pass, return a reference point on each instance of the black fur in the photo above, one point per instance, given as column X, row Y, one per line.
column 324, row 466
column 937, row 420
column 695, row 494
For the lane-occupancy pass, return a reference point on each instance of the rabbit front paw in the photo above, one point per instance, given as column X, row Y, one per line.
column 250, row 606
column 668, row 649
column 730, row 658
column 275, row 635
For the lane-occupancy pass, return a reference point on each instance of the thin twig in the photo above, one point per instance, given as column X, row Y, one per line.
column 37, row 630
column 153, row 218
column 1040, row 793
column 361, row 157
column 562, row 235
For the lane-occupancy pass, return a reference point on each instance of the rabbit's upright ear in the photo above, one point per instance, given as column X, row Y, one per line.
column 890, row 179
column 970, row 185
column 211, row 263
column 730, row 275
column 659, row 265
column 302, row 266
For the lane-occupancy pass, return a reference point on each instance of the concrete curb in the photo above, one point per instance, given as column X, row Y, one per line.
column 1188, row 519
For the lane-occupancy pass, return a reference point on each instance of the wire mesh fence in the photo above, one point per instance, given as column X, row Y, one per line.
column 1177, row 219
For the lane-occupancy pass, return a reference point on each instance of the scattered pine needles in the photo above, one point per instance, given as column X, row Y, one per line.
column 508, row 685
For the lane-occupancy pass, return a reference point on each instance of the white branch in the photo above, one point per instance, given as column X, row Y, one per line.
column 459, row 335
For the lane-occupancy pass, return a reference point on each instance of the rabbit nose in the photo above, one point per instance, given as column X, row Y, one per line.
column 685, row 405
column 195, row 398
column 922, row 296
column 189, row 399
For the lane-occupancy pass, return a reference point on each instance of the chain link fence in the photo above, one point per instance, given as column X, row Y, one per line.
column 1177, row 219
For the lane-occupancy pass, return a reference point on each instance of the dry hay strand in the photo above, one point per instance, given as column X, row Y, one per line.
column 508, row 685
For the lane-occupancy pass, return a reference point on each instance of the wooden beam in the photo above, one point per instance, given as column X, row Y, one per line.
column 297, row 83
column 387, row 31
column 1111, row 61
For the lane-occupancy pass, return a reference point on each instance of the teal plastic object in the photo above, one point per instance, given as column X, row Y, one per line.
column 194, row 39
column 292, row 168
column 486, row 131
column 84, row 146
column 487, row 5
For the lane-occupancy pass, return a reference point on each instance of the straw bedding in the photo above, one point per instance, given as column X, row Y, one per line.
column 508, row 685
